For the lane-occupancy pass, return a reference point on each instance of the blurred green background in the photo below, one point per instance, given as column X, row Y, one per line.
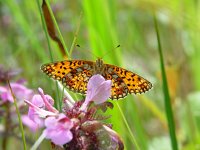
column 104, row 25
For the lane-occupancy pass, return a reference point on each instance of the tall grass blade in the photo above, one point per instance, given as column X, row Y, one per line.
column 168, row 107
column 57, row 28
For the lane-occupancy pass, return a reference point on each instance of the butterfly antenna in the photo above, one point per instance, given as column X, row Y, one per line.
column 75, row 35
column 89, row 51
column 111, row 50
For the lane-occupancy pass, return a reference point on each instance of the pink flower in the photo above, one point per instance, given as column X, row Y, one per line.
column 37, row 101
column 20, row 91
column 57, row 124
column 98, row 90
column 73, row 127
column 31, row 124
column 39, row 108
column 58, row 129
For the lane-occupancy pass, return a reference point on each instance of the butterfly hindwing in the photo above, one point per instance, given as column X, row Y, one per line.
column 119, row 88
column 77, row 79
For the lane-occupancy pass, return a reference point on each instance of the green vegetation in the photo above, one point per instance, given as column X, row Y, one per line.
column 154, row 120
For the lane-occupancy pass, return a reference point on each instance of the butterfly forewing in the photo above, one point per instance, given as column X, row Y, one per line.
column 74, row 74
column 134, row 83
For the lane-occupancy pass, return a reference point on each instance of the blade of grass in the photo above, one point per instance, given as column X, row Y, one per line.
column 45, row 30
column 19, row 116
column 57, row 28
column 51, row 28
column 58, row 103
column 168, row 107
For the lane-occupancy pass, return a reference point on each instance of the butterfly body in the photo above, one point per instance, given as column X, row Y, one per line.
column 75, row 74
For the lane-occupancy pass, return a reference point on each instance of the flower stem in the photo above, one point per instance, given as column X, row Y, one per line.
column 19, row 116
column 7, row 126
column 38, row 142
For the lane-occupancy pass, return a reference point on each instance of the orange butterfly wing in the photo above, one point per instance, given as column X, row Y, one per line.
column 125, row 82
column 74, row 74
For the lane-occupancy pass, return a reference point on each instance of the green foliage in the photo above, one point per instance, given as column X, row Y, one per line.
column 103, row 26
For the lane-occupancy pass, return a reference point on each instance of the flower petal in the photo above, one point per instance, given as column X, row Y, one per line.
column 29, row 123
column 48, row 102
column 41, row 112
column 5, row 94
column 58, row 129
column 19, row 90
column 103, row 92
column 95, row 81
column 37, row 100
column 98, row 91
column 61, row 138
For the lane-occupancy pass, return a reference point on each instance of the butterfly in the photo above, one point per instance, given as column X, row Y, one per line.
column 75, row 74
